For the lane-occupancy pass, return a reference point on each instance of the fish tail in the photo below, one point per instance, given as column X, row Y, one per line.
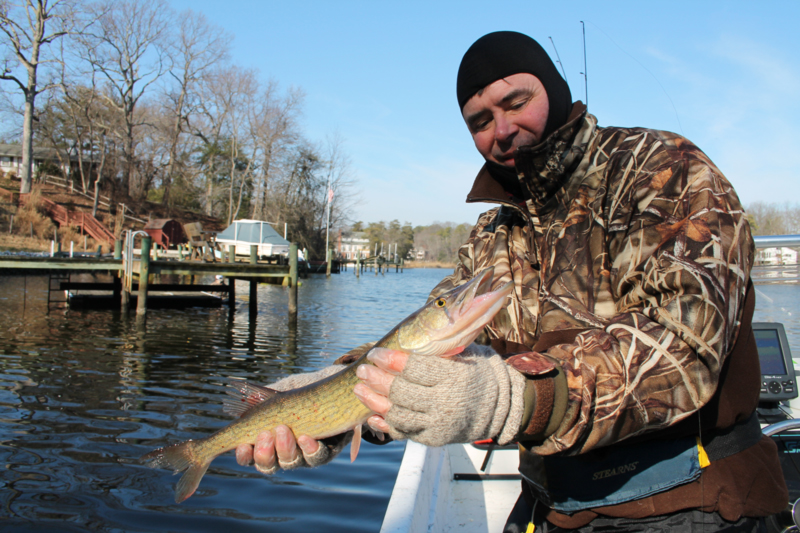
column 179, row 457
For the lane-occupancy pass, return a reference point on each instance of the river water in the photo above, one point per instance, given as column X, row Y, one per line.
column 85, row 393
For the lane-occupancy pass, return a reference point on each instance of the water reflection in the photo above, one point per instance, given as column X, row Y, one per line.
column 82, row 393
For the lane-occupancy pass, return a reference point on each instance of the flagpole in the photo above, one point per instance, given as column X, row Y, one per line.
column 329, row 194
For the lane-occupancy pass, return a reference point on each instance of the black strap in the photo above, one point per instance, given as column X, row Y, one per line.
column 729, row 441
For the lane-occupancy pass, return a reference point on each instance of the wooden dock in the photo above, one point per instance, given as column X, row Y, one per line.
column 379, row 264
column 131, row 274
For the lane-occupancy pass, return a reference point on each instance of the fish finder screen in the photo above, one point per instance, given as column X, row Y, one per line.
column 769, row 352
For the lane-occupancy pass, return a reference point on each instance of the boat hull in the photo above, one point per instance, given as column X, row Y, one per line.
column 444, row 490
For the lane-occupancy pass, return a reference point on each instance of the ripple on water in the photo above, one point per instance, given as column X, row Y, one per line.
column 85, row 393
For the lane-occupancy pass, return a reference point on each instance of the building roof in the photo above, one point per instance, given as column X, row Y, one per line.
column 15, row 150
column 253, row 231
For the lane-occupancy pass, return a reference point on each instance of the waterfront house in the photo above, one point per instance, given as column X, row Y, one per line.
column 776, row 256
column 352, row 244
column 418, row 254
column 11, row 159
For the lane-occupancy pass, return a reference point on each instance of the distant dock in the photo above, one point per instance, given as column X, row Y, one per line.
column 378, row 264
column 131, row 274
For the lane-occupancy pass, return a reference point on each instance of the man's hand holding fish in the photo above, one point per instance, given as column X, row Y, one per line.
column 325, row 408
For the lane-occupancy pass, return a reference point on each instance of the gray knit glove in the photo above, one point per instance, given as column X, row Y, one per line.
column 328, row 448
column 469, row 397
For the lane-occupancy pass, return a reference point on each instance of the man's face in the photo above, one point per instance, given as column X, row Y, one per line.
column 506, row 115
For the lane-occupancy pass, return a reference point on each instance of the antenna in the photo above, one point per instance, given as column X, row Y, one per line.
column 585, row 70
column 558, row 60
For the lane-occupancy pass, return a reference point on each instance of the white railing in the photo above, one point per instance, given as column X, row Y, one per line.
column 776, row 241
column 102, row 200
column 66, row 184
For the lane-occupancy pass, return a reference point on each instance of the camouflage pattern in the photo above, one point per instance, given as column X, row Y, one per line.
column 635, row 237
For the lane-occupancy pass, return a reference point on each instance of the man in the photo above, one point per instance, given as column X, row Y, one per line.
column 635, row 378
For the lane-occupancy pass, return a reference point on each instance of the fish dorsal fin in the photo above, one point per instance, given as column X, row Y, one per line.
column 245, row 396
column 355, row 444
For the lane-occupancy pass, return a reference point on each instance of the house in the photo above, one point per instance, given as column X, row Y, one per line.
column 11, row 159
column 776, row 256
column 352, row 244
column 418, row 254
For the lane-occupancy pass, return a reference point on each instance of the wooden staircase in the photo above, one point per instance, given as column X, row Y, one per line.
column 84, row 221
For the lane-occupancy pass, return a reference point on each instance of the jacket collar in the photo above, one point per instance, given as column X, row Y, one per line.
column 542, row 169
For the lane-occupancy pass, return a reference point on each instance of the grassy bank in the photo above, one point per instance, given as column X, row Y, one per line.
column 429, row 264
column 18, row 243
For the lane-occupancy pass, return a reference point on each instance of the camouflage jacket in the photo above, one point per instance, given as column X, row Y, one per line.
column 634, row 238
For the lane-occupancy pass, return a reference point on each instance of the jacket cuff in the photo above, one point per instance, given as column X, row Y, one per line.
column 545, row 396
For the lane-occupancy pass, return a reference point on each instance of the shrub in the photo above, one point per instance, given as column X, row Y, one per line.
column 32, row 215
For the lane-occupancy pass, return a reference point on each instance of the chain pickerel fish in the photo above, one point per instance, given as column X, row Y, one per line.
column 443, row 327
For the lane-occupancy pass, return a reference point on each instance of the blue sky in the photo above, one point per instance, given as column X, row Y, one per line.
column 724, row 74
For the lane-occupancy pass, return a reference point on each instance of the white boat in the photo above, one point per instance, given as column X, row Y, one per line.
column 446, row 490
column 455, row 489
column 244, row 233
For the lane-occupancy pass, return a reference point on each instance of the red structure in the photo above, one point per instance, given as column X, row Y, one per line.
column 84, row 221
column 165, row 231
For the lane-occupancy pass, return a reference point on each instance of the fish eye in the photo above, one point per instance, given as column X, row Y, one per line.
column 440, row 302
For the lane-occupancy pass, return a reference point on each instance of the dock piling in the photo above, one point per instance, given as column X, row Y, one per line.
column 328, row 256
column 293, row 278
column 144, row 276
column 253, row 283
column 117, row 290
column 231, row 296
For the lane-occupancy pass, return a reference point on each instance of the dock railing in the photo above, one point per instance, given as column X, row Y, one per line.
column 776, row 272
column 776, row 241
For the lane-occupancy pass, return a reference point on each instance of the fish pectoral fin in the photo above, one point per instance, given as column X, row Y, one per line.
column 378, row 433
column 244, row 396
column 355, row 444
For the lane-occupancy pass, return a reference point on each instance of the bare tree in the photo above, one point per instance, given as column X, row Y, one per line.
column 148, row 107
column 441, row 240
column 339, row 195
column 228, row 154
column 128, row 47
column 197, row 47
column 774, row 219
column 274, row 126
column 25, row 25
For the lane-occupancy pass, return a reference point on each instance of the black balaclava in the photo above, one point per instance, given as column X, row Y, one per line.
column 503, row 53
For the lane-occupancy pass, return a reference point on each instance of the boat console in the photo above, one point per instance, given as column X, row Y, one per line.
column 778, row 381
column 778, row 387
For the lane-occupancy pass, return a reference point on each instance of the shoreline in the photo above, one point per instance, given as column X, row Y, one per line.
column 429, row 264
column 18, row 243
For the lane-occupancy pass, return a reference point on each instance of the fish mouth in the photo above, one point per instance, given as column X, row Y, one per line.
column 476, row 303
column 471, row 307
